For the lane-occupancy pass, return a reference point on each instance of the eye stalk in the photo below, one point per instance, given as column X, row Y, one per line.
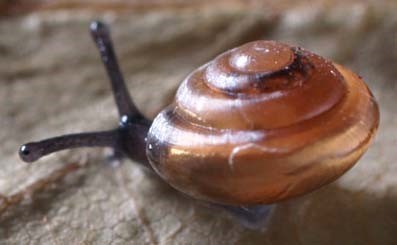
column 28, row 153
column 128, row 138
column 101, row 36
column 32, row 151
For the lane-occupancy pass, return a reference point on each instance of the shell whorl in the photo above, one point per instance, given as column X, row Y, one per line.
column 261, row 123
column 261, row 85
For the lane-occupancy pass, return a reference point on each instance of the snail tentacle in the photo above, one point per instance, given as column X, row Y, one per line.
column 128, row 139
column 125, row 105
column 32, row 151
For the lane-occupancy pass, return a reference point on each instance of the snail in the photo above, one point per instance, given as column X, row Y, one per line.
column 259, row 124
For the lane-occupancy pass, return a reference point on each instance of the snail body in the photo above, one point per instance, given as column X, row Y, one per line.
column 260, row 123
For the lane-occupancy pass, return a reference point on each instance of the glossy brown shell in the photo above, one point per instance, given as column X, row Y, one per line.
column 262, row 123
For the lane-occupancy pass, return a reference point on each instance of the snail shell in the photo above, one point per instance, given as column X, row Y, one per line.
column 262, row 123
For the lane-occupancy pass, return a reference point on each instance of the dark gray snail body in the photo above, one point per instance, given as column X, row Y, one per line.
column 260, row 123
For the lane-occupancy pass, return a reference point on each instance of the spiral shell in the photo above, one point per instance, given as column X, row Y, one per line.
column 262, row 123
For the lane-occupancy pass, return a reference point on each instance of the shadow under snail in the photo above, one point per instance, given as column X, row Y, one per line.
column 261, row 123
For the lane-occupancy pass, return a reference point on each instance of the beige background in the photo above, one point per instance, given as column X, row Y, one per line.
column 52, row 82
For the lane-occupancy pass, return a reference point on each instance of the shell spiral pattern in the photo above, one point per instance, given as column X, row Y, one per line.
column 262, row 123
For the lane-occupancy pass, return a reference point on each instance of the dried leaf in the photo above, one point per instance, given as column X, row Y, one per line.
column 52, row 82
